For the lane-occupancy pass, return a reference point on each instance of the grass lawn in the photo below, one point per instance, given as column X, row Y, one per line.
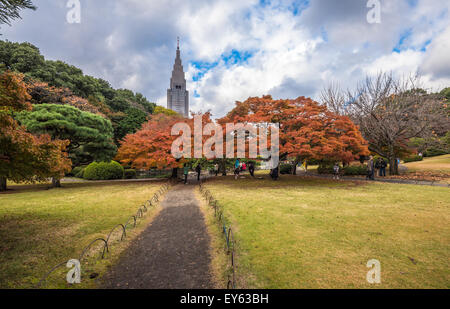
column 434, row 164
column 315, row 233
column 41, row 228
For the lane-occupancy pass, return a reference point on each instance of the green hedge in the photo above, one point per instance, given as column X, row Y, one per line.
column 413, row 159
column 325, row 169
column 130, row 174
column 103, row 171
column 434, row 152
column 353, row 170
column 285, row 169
column 78, row 171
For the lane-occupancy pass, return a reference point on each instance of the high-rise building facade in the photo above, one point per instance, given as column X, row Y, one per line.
column 177, row 95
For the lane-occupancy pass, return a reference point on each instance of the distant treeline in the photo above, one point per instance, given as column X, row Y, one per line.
column 56, row 82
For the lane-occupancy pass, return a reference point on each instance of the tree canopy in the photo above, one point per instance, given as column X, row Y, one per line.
column 390, row 112
column 25, row 157
column 10, row 9
column 60, row 83
column 90, row 135
column 307, row 130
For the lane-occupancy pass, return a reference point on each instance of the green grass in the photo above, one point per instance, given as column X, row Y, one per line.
column 434, row 164
column 40, row 228
column 314, row 233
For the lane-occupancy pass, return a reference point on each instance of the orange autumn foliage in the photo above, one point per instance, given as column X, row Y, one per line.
column 307, row 130
column 25, row 157
column 151, row 146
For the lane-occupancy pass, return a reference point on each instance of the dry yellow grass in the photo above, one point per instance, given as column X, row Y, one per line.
column 219, row 262
column 435, row 164
column 313, row 233
column 41, row 228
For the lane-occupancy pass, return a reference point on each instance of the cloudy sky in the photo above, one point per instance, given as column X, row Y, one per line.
column 234, row 49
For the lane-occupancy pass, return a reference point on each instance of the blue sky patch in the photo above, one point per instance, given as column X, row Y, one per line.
column 232, row 58
column 401, row 43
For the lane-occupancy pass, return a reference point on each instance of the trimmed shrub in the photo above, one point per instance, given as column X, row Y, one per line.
column 434, row 152
column 103, row 171
column 78, row 171
column 325, row 169
column 413, row 159
column 130, row 174
column 355, row 170
column 285, row 169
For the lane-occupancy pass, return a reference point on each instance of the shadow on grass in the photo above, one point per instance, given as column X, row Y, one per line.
column 27, row 188
column 285, row 181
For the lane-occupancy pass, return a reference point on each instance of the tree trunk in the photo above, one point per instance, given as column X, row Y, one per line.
column 3, row 186
column 294, row 169
column 223, row 166
column 56, row 183
column 175, row 173
column 393, row 166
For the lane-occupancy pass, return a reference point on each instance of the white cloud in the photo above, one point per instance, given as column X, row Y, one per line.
column 131, row 43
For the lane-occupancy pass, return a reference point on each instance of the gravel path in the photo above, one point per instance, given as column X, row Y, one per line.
column 172, row 253
column 397, row 181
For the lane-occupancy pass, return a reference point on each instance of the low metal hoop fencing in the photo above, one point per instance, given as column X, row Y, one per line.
column 227, row 232
column 117, row 234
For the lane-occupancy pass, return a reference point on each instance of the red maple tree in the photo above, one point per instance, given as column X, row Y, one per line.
column 308, row 130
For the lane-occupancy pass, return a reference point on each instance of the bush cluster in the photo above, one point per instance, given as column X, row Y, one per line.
column 355, row 170
column 415, row 158
column 352, row 170
column 130, row 174
column 78, row 171
column 325, row 169
column 103, row 171
column 285, row 169
column 434, row 152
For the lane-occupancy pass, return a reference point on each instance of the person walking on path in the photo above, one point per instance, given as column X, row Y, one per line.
column 244, row 167
column 251, row 169
column 198, row 169
column 186, row 173
column 237, row 167
column 336, row 170
column 216, row 169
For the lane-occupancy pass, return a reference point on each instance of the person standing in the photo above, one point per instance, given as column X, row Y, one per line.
column 378, row 166
column 185, row 172
column 198, row 169
column 237, row 167
column 383, row 165
column 274, row 173
column 336, row 169
column 371, row 169
column 251, row 169
column 216, row 169
column 244, row 167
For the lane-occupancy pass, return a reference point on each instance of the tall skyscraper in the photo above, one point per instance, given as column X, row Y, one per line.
column 177, row 95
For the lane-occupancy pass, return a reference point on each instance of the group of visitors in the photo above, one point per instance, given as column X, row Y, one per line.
column 241, row 167
column 372, row 166
column 198, row 170
column 381, row 167
column 238, row 168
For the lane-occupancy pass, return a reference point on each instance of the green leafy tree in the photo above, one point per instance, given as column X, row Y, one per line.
column 10, row 9
column 20, row 57
column 61, row 83
column 90, row 135
column 130, row 124
column 25, row 157
column 165, row 111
